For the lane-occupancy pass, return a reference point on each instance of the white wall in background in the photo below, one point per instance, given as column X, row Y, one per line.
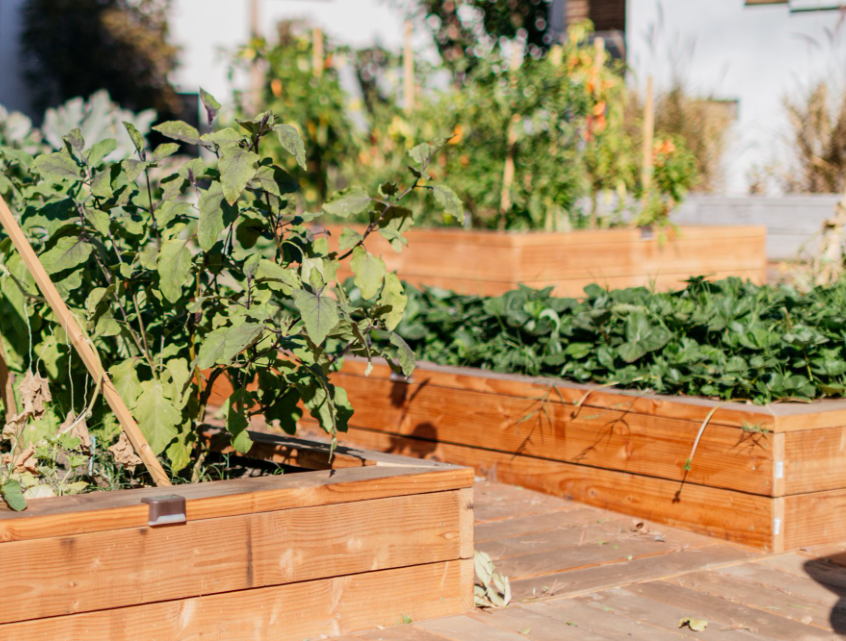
column 205, row 27
column 723, row 49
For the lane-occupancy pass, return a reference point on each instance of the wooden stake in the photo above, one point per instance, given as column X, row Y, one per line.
column 408, row 70
column 7, row 384
column 508, row 169
column 648, row 134
column 317, row 52
column 256, row 76
column 599, row 43
column 81, row 344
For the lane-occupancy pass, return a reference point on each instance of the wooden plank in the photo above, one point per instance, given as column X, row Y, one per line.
column 397, row 633
column 815, row 460
column 293, row 612
column 577, row 557
column 541, row 524
column 814, row 519
column 602, row 577
column 770, row 578
column 536, row 626
column 723, row 611
column 578, row 614
column 760, row 597
column 777, row 417
column 592, row 534
column 612, row 438
column 732, row 516
column 101, row 570
column 465, row 628
column 492, row 263
column 82, row 345
column 665, row 617
column 71, row 515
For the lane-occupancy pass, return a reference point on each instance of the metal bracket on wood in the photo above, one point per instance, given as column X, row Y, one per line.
column 165, row 510
column 399, row 378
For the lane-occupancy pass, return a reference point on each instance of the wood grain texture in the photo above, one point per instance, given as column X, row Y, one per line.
column 82, row 345
column 814, row 519
column 732, row 516
column 101, row 570
column 294, row 612
column 493, row 263
column 73, row 515
column 614, row 438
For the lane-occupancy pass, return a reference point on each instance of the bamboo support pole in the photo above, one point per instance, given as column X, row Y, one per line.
column 408, row 71
column 317, row 53
column 7, row 384
column 648, row 135
column 82, row 345
column 509, row 168
column 256, row 79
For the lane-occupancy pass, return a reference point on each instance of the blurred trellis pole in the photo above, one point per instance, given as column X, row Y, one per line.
column 408, row 70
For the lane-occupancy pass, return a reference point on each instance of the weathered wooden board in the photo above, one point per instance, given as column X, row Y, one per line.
column 781, row 485
column 56, row 576
column 293, row 612
column 295, row 556
column 491, row 263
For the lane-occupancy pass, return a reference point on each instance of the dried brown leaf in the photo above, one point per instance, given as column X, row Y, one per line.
column 124, row 453
column 35, row 393
column 77, row 427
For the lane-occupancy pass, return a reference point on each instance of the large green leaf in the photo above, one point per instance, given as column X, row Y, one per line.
column 237, row 168
column 156, row 416
column 291, row 142
column 393, row 296
column 174, row 267
column 67, row 253
column 225, row 343
column 319, row 314
column 369, row 271
column 406, row 355
column 178, row 130
column 347, row 203
column 57, row 166
column 642, row 337
column 125, row 379
column 215, row 214
column 11, row 491
column 449, row 200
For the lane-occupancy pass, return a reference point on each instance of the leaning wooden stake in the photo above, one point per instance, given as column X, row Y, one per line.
column 511, row 143
column 82, row 345
column 7, row 384
column 648, row 134
column 408, row 71
column 317, row 53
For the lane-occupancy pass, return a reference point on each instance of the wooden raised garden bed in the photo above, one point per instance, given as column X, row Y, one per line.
column 370, row 540
column 771, row 476
column 492, row 263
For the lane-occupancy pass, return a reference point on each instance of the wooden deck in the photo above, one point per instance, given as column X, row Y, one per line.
column 583, row 574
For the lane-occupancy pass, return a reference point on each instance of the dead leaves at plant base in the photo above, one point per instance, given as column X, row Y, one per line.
column 125, row 454
column 34, row 393
column 495, row 590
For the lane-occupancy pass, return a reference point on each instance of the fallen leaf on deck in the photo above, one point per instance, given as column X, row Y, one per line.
column 697, row 625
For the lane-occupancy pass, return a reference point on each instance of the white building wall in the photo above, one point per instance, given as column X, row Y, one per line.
column 757, row 55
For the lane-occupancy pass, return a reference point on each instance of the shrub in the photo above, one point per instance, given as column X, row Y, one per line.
column 729, row 339
column 206, row 272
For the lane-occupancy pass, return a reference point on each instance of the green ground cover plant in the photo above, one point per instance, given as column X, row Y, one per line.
column 728, row 339
column 181, row 277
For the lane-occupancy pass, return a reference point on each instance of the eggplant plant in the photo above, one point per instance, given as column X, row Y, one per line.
column 185, row 277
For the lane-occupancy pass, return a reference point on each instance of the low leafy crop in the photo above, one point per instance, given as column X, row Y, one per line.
column 205, row 272
column 729, row 339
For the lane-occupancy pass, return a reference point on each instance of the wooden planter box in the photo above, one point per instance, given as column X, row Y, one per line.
column 492, row 263
column 324, row 552
column 621, row 450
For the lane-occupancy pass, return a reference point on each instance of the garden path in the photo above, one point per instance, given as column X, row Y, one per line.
column 583, row 574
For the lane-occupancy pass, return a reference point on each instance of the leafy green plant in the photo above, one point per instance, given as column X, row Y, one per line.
column 205, row 272
column 729, row 339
